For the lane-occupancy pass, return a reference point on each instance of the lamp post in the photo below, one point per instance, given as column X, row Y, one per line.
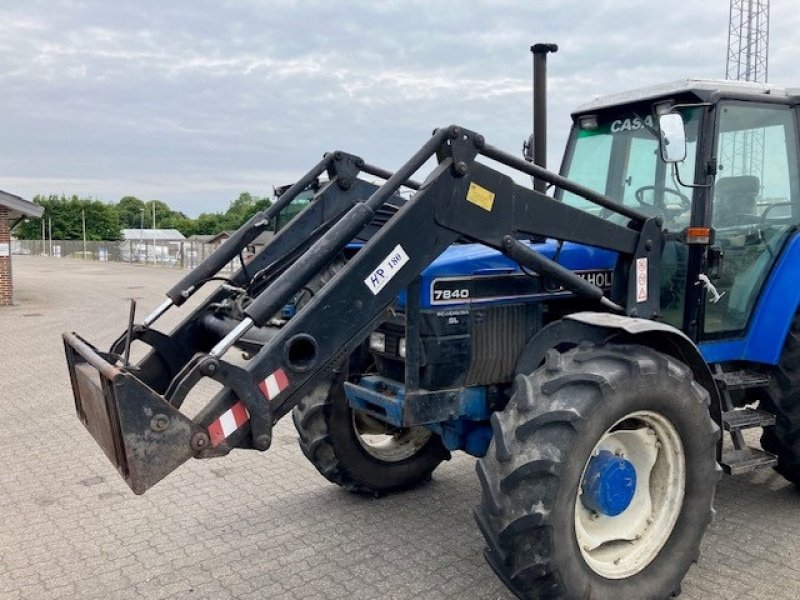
column 141, row 233
column 83, row 223
column 155, row 256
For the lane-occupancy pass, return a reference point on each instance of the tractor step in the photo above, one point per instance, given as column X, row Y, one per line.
column 741, row 380
column 746, row 460
column 746, row 418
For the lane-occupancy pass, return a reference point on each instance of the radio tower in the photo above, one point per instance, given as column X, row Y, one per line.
column 748, row 41
column 748, row 53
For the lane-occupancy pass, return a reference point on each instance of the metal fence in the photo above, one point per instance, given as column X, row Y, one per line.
column 178, row 254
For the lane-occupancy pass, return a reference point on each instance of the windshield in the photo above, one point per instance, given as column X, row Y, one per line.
column 618, row 155
column 295, row 206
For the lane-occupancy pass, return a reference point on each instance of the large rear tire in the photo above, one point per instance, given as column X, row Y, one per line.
column 782, row 398
column 360, row 453
column 627, row 403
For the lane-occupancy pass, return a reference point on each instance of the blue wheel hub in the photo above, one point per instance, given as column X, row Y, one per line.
column 609, row 484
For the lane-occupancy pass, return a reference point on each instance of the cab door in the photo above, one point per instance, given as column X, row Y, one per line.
column 755, row 207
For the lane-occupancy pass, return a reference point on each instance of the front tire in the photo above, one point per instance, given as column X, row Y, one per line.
column 625, row 401
column 360, row 453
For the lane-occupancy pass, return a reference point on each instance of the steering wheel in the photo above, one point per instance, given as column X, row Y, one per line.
column 685, row 202
column 767, row 210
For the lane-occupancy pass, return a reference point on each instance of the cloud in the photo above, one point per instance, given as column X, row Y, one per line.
column 194, row 101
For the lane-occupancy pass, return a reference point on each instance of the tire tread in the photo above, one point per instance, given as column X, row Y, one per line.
column 508, row 519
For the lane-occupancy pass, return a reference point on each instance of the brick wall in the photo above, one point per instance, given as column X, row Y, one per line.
column 6, row 291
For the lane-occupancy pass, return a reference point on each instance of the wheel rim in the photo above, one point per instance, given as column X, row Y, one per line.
column 388, row 443
column 621, row 545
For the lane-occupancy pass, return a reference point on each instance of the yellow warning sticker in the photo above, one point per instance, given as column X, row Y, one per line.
column 480, row 196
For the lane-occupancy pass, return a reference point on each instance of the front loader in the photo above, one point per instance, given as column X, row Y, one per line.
column 588, row 347
column 352, row 277
column 351, row 290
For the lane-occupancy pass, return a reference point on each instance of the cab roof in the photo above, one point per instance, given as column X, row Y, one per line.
column 703, row 89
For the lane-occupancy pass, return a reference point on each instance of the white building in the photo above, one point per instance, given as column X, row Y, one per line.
column 151, row 245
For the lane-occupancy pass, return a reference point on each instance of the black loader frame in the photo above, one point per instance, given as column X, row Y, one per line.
column 133, row 411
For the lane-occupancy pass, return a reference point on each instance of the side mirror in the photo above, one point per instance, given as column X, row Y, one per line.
column 527, row 148
column 672, row 137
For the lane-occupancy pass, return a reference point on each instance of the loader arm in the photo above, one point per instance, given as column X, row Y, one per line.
column 461, row 197
column 200, row 330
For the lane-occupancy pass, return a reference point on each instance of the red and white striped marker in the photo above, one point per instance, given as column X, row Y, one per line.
column 274, row 384
column 236, row 416
column 228, row 422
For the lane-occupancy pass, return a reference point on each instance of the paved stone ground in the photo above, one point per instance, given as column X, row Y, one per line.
column 256, row 525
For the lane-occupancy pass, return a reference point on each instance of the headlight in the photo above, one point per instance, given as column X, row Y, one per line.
column 377, row 341
column 401, row 347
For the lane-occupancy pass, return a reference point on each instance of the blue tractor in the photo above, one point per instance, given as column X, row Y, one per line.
column 588, row 346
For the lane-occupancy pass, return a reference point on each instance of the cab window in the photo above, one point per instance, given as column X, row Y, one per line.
column 618, row 155
column 755, row 205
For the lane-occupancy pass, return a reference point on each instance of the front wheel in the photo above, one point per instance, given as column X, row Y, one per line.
column 600, row 478
column 360, row 453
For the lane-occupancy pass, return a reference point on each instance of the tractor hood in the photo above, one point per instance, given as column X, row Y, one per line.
column 470, row 273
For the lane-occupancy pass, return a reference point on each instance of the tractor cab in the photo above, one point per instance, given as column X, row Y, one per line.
column 727, row 191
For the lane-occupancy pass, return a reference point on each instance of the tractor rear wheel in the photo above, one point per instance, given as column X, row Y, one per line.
column 782, row 398
column 600, row 478
column 359, row 452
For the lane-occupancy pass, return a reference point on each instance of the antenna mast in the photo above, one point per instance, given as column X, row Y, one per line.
column 748, row 41
column 747, row 60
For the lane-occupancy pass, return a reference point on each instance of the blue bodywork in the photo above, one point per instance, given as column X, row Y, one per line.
column 763, row 340
column 385, row 399
column 466, row 260
column 471, row 431
column 761, row 343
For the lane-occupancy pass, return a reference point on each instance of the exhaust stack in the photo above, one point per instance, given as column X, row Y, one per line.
column 537, row 150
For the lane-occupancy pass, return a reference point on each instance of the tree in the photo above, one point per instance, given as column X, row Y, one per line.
column 208, row 224
column 67, row 217
column 131, row 212
column 102, row 221
column 105, row 221
column 241, row 209
column 183, row 224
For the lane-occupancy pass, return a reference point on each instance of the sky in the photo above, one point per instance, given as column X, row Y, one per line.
column 194, row 101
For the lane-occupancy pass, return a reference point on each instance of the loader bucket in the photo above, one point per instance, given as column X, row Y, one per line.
column 143, row 435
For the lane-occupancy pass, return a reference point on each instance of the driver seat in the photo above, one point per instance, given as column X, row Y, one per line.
column 734, row 197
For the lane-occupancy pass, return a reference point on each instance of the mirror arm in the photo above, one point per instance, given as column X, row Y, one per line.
column 675, row 170
column 700, row 186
